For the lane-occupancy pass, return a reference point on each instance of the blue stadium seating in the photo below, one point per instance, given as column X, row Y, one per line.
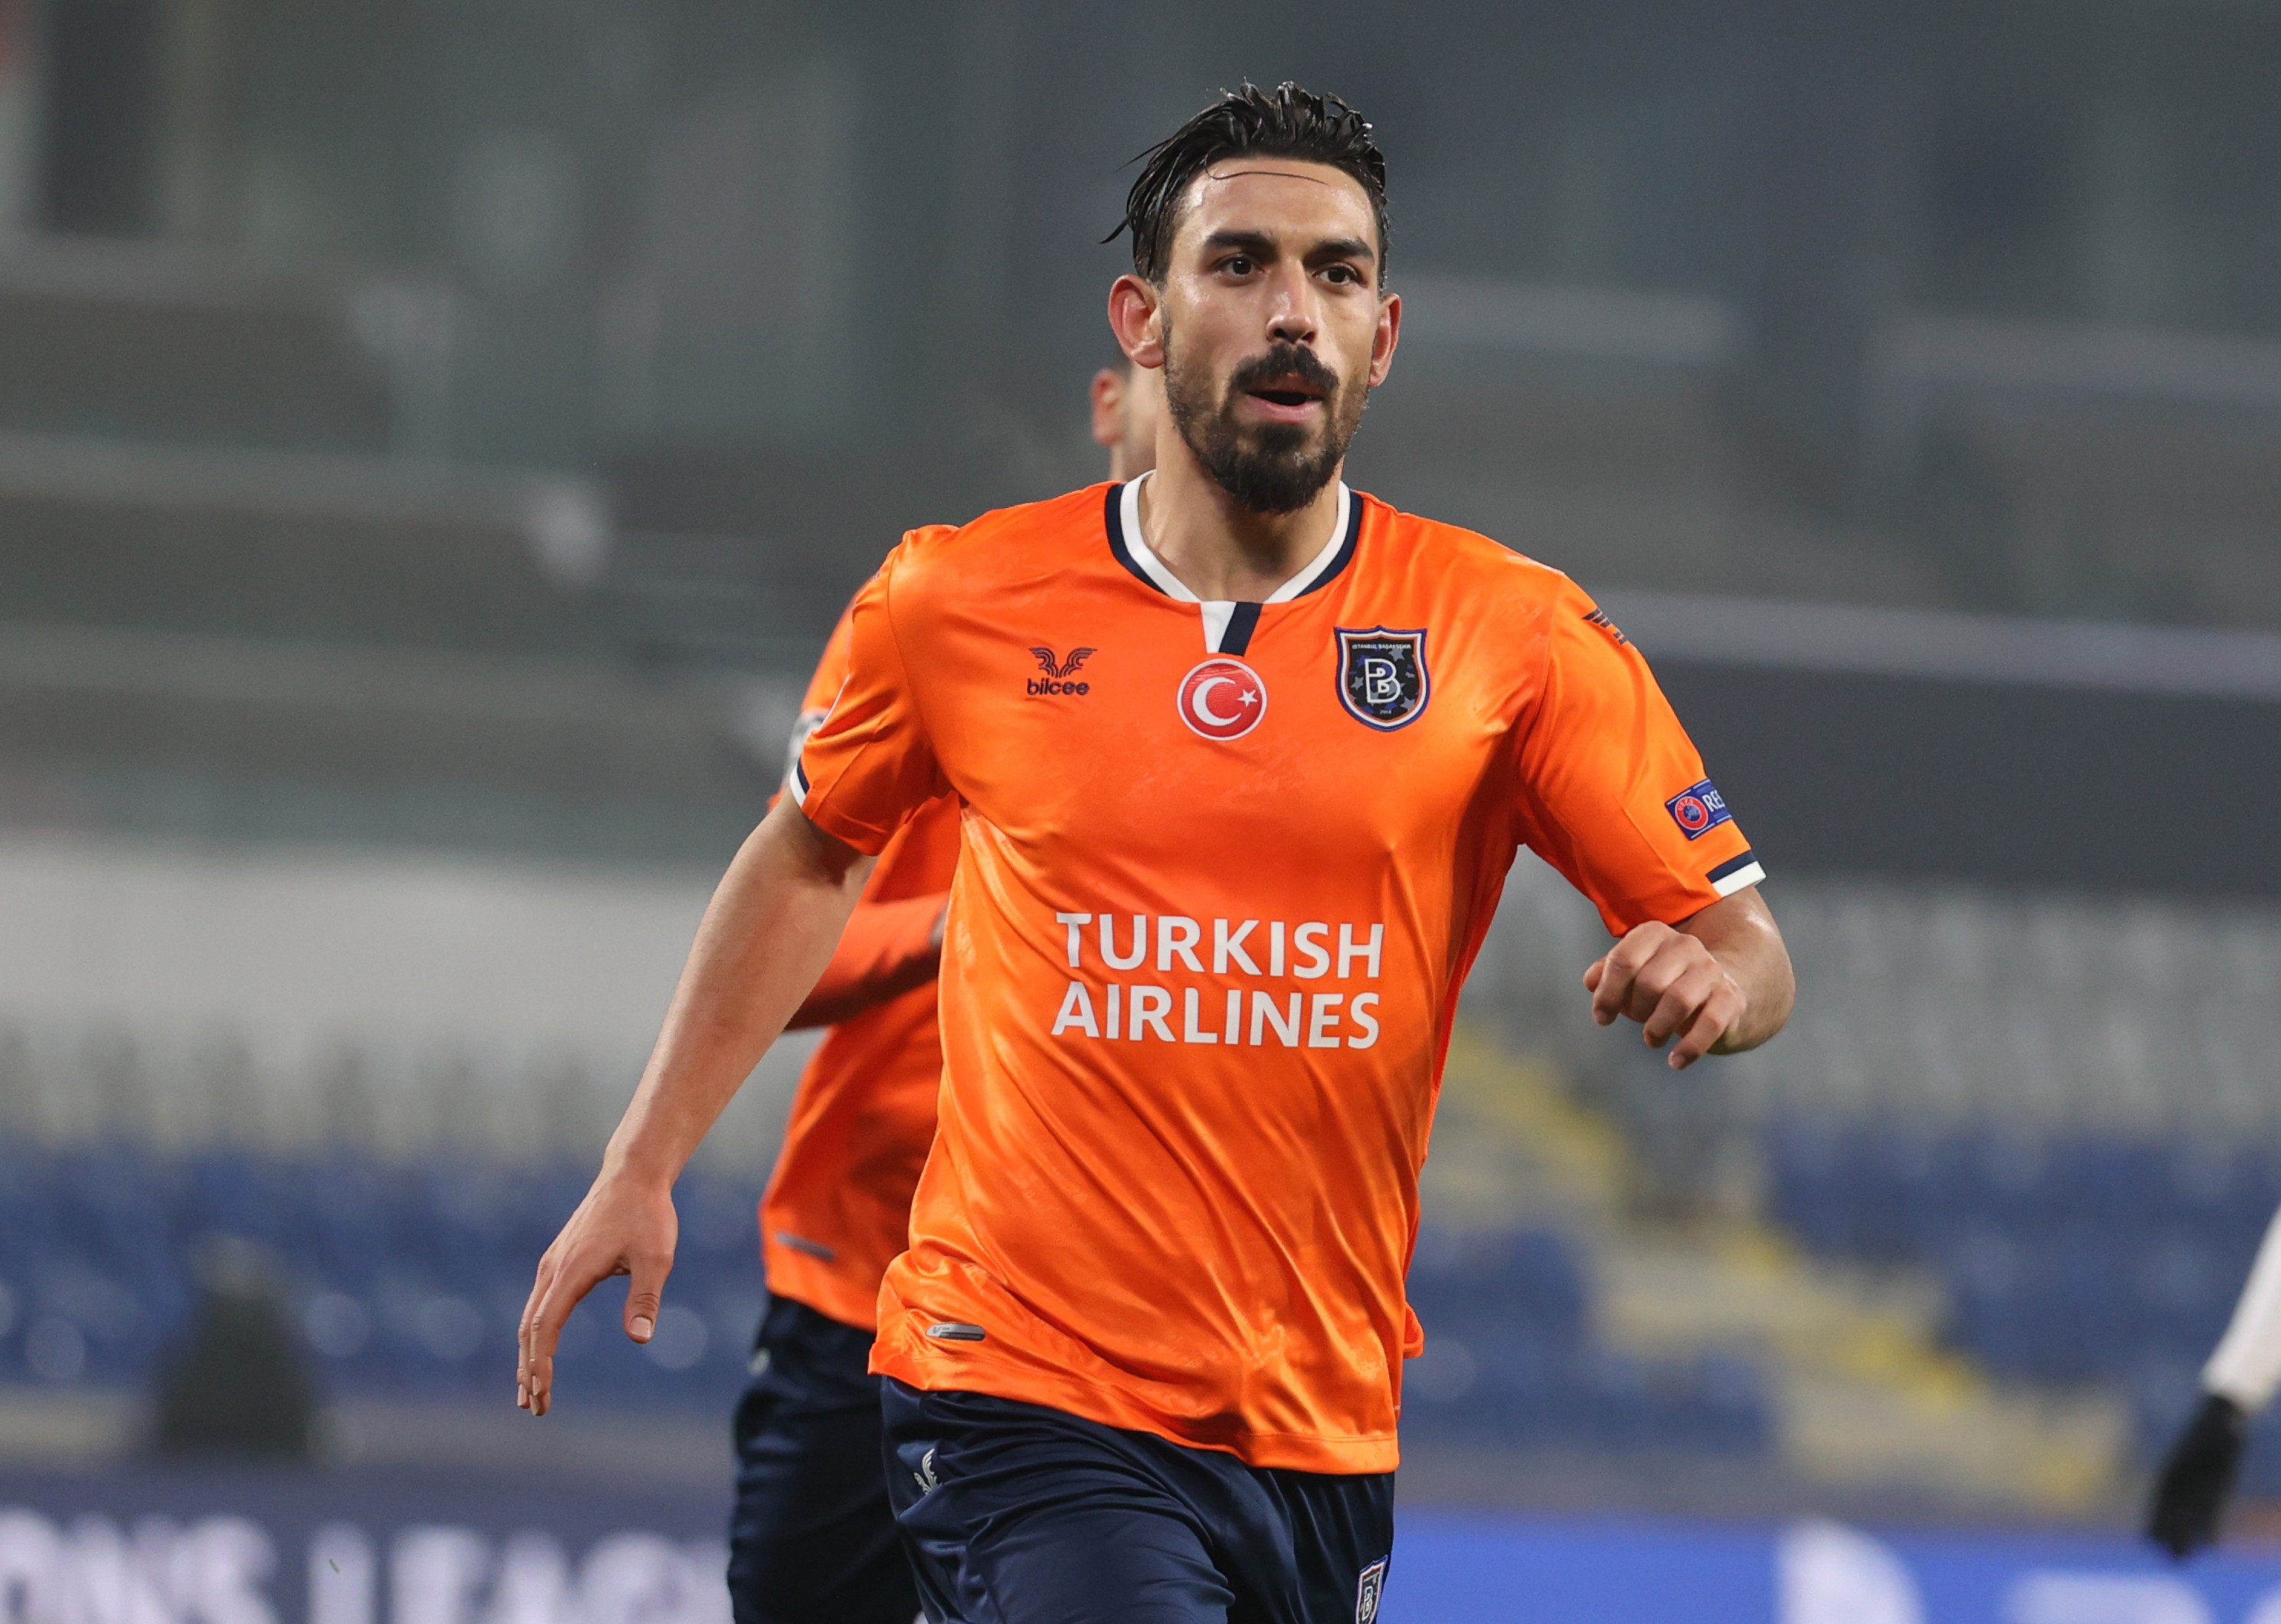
column 1509, row 1361
column 408, row 1281
column 2065, row 1260
column 405, row 1281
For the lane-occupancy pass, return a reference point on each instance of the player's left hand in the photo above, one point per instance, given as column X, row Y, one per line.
column 1672, row 985
column 2198, row 1478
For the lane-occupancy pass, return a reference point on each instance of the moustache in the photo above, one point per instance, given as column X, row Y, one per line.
column 1284, row 360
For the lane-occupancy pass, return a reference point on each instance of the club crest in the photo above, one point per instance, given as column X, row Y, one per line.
column 1368, row 1589
column 1382, row 677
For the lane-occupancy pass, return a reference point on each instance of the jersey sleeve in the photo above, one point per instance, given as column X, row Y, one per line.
column 2246, row 1365
column 1612, row 792
column 869, row 763
column 823, row 688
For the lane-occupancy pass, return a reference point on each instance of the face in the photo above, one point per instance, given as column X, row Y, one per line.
column 1270, row 327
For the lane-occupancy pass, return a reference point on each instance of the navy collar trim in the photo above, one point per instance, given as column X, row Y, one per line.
column 1113, row 519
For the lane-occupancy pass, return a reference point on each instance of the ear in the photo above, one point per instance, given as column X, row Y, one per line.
column 1135, row 316
column 1109, row 407
column 1382, row 342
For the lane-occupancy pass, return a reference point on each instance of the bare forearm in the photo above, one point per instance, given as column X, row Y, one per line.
column 766, row 936
column 887, row 949
column 1742, row 937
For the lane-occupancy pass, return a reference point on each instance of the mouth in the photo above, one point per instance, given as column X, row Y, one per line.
column 1286, row 399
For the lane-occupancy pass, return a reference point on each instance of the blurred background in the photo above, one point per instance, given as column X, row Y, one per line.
column 435, row 439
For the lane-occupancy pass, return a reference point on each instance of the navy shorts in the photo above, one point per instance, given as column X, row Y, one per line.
column 1017, row 1514
column 813, row 1539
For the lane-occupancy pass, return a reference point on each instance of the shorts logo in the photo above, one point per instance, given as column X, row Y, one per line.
column 1368, row 1588
column 1382, row 677
column 1058, row 672
column 1699, row 811
column 1222, row 699
column 924, row 1476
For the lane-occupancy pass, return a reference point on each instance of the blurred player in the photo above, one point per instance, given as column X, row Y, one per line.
column 1128, row 406
column 813, row 1538
column 2198, row 1479
column 1217, row 890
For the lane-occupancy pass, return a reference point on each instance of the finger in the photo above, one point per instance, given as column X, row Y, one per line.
column 1655, row 983
column 1684, row 991
column 1613, row 984
column 646, row 1293
column 1625, row 963
column 522, row 1342
column 566, row 1288
column 1613, row 989
column 1719, row 1013
column 540, row 1339
column 1596, row 978
column 1718, row 1016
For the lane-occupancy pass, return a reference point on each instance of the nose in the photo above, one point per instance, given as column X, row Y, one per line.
column 1292, row 320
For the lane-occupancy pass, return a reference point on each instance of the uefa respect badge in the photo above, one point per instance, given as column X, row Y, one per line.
column 1699, row 811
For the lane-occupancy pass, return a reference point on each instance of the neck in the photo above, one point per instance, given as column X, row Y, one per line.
column 1221, row 550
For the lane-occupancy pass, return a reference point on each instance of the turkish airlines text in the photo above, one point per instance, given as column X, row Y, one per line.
column 1141, row 1012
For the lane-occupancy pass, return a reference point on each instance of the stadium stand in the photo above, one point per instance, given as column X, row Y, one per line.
column 166, row 343
column 2057, row 1108
column 2070, row 1260
column 243, row 602
column 401, row 1214
column 403, row 1280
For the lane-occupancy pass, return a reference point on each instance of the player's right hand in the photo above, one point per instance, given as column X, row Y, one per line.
column 623, row 1227
column 2198, row 1479
column 1673, row 985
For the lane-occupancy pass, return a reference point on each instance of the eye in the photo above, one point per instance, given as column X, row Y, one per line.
column 1344, row 274
column 1237, row 265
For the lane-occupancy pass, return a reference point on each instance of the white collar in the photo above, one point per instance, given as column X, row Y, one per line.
column 1153, row 567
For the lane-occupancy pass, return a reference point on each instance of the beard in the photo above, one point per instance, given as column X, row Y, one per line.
column 1267, row 468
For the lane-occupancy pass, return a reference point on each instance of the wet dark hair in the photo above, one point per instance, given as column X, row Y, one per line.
column 1287, row 122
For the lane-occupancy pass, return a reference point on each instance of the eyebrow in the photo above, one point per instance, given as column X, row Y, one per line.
column 1260, row 243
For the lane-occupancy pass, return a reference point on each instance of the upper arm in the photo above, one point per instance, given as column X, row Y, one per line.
column 815, row 853
column 1611, row 790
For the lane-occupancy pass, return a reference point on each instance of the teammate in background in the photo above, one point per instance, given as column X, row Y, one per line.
column 813, row 1538
column 1211, row 919
column 2198, row 1479
column 1128, row 405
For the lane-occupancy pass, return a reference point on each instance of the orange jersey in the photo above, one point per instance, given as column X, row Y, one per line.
column 1224, row 869
column 837, row 1206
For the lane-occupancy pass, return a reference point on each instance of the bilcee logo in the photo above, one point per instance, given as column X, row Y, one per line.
column 1222, row 699
column 1382, row 680
column 1058, row 672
